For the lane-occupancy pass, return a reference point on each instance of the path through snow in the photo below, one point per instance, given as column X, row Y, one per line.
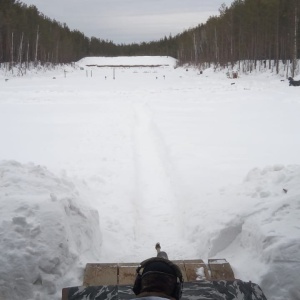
column 156, row 204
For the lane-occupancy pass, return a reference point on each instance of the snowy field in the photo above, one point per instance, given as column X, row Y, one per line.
column 98, row 169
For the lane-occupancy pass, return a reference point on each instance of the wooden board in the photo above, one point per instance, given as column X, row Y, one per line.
column 124, row 274
column 180, row 264
column 100, row 274
column 220, row 269
column 127, row 273
column 196, row 270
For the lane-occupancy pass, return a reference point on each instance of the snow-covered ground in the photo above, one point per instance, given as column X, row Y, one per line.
column 97, row 169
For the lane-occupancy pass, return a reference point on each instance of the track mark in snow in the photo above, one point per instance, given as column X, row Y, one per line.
column 225, row 237
column 156, row 204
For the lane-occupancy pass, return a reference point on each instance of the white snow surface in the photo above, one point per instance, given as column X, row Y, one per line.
column 96, row 169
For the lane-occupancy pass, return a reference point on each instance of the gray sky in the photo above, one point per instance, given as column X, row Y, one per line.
column 128, row 21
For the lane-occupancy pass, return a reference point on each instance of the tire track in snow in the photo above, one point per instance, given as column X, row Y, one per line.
column 156, row 204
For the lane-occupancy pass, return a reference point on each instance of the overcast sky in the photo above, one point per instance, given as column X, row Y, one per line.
column 128, row 21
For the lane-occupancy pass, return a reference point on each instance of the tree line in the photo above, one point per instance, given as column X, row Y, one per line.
column 249, row 30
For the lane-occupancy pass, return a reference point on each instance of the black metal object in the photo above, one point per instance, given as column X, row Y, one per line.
column 197, row 290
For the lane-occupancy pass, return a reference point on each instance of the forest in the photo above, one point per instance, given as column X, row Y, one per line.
column 249, row 30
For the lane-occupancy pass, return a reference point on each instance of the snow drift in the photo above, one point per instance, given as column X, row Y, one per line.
column 45, row 229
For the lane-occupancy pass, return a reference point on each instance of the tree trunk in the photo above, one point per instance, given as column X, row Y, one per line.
column 36, row 46
column 12, row 49
column 21, row 49
column 295, row 44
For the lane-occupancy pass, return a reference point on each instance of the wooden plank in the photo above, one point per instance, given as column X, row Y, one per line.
column 220, row 269
column 65, row 294
column 127, row 273
column 100, row 274
column 196, row 270
column 180, row 264
column 124, row 274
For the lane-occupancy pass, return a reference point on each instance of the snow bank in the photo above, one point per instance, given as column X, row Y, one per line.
column 30, row 71
column 128, row 61
column 271, row 231
column 45, row 232
column 261, row 239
